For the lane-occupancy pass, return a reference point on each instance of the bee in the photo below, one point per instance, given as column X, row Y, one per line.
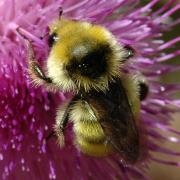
column 86, row 59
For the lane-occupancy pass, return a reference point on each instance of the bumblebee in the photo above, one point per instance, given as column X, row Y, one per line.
column 86, row 59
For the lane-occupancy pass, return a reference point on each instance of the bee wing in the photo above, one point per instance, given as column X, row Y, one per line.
column 118, row 122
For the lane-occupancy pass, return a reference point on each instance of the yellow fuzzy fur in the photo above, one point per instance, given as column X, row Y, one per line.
column 74, row 37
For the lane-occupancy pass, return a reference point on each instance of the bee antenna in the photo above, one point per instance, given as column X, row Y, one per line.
column 60, row 12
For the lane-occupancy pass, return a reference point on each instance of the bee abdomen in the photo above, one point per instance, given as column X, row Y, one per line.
column 90, row 138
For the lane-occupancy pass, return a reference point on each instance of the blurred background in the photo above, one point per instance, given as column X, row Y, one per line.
column 166, row 172
column 159, row 171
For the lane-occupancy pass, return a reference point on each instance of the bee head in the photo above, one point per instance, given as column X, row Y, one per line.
column 89, row 61
column 83, row 56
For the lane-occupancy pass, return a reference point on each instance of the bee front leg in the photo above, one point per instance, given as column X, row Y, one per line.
column 34, row 69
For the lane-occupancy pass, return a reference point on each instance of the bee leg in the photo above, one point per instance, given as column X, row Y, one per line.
column 61, row 122
column 34, row 68
column 144, row 89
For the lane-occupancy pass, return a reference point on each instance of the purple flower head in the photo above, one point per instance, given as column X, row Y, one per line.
column 27, row 113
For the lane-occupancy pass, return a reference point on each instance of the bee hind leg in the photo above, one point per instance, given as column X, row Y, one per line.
column 59, row 133
column 61, row 122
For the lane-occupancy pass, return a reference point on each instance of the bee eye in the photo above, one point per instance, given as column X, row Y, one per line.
column 52, row 39
column 130, row 51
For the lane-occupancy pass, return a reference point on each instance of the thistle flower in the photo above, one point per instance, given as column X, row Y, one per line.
column 27, row 113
